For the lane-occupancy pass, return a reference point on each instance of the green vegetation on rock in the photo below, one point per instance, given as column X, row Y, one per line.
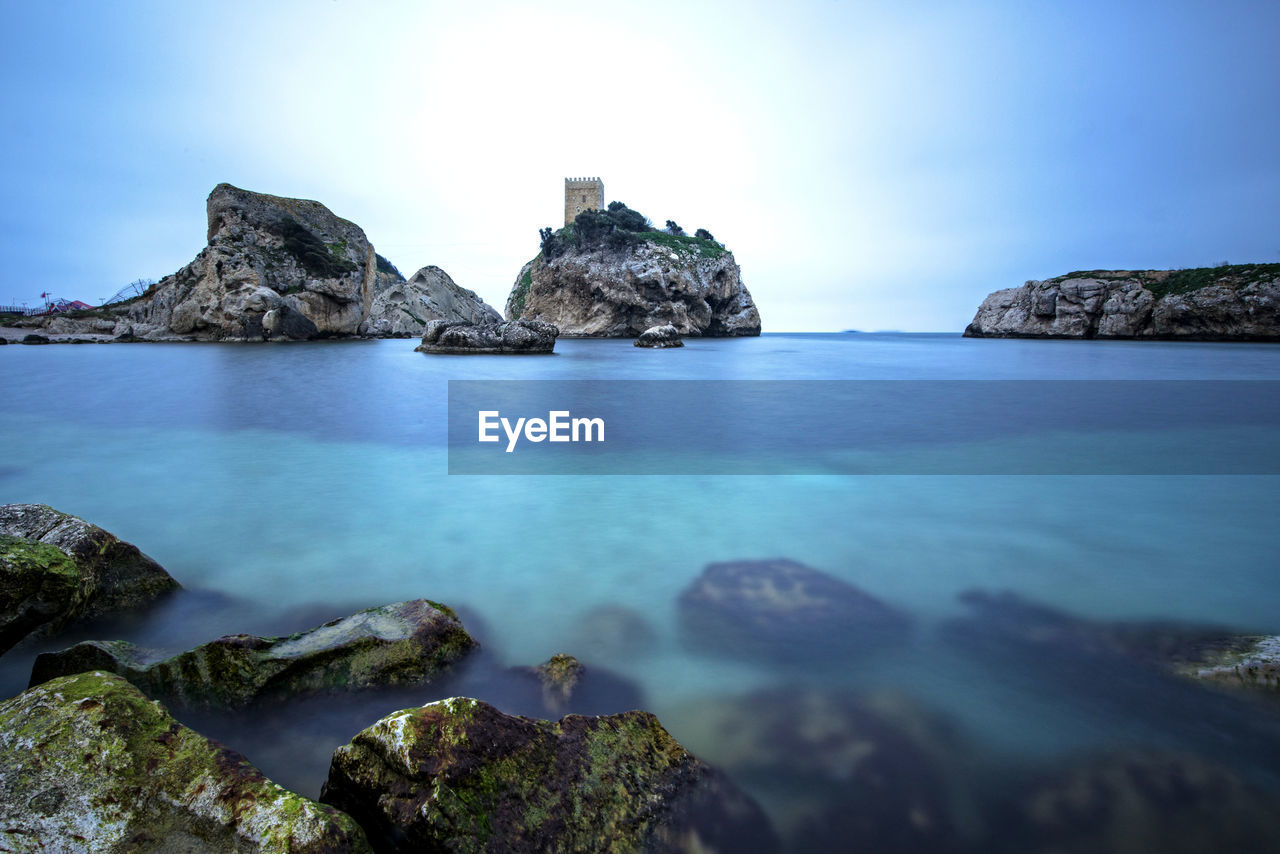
column 1162, row 283
column 319, row 259
column 619, row 228
column 87, row 763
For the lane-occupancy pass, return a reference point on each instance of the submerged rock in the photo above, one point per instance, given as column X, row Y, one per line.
column 87, row 763
column 660, row 336
column 783, row 610
column 458, row 775
column 407, row 643
column 846, row 772
column 489, row 337
column 1140, row 802
column 1232, row 303
column 56, row 569
column 1006, row 622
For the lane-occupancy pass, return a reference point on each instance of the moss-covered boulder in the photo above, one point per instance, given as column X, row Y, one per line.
column 56, row 569
column 458, row 775
column 87, row 763
column 407, row 643
column 782, row 610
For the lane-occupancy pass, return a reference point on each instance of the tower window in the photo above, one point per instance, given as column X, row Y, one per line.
column 584, row 197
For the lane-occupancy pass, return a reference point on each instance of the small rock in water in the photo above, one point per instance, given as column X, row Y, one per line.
column 559, row 686
column 781, row 610
column 33, row 338
column 659, row 336
column 488, row 337
column 459, row 775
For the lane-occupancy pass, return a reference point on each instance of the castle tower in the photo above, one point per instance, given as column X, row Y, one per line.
column 582, row 194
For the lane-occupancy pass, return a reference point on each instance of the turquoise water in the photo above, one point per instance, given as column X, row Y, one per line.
column 299, row 476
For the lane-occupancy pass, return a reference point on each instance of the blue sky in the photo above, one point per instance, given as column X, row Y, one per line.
column 872, row 165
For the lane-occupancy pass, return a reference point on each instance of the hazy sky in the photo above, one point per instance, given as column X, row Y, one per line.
column 872, row 165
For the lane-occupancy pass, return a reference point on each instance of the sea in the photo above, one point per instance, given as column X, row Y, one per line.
column 286, row 484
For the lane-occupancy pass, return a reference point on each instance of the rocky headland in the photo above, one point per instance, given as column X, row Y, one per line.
column 609, row 274
column 274, row 268
column 1239, row 302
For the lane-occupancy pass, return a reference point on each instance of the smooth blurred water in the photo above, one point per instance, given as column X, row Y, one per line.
column 293, row 476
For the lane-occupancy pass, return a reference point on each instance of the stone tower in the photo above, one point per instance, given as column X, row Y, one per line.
column 582, row 194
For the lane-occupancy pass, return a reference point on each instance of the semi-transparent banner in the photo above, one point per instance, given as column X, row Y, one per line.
column 673, row 427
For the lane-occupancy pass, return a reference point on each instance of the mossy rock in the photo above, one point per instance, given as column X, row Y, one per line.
column 458, row 775
column 56, row 569
column 87, row 763
column 407, row 643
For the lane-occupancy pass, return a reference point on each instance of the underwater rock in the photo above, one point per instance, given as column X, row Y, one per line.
column 459, row 775
column 1214, row 655
column 408, row 643
column 489, row 337
column 87, row 763
column 1138, row 802
column 865, row 772
column 659, row 336
column 782, row 610
column 56, row 569
column 612, row 632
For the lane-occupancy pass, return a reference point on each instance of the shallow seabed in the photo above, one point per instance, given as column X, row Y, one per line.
column 300, row 482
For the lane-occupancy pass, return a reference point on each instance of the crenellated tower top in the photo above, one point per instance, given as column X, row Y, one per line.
column 582, row 194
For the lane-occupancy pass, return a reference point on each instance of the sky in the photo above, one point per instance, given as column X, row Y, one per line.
column 872, row 165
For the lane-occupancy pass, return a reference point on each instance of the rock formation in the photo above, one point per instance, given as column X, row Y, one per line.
column 87, row 763
column 403, row 309
column 488, row 337
column 1230, row 303
column 459, row 775
column 781, row 610
column 604, row 293
column 56, row 569
column 660, row 336
column 408, row 643
column 278, row 268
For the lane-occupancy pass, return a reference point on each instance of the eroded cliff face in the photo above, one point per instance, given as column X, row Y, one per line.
column 278, row 268
column 619, row 294
column 1231, row 303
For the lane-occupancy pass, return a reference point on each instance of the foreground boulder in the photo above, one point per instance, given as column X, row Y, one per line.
column 597, row 292
column 403, row 309
column 87, row 763
column 1230, row 303
column 660, row 336
column 408, row 643
column 783, row 610
column 491, row 337
column 276, row 268
column 56, row 568
column 458, row 775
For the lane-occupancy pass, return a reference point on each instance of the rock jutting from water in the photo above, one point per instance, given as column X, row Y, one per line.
column 781, row 610
column 277, row 268
column 611, row 275
column 56, row 569
column 559, row 686
column 87, row 763
column 660, row 336
column 489, row 337
column 459, row 775
column 1238, row 302
column 408, row 643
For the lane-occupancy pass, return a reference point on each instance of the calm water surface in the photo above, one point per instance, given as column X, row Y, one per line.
column 291, row 483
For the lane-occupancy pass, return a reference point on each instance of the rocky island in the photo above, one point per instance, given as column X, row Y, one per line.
column 610, row 274
column 1238, row 302
column 277, row 268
